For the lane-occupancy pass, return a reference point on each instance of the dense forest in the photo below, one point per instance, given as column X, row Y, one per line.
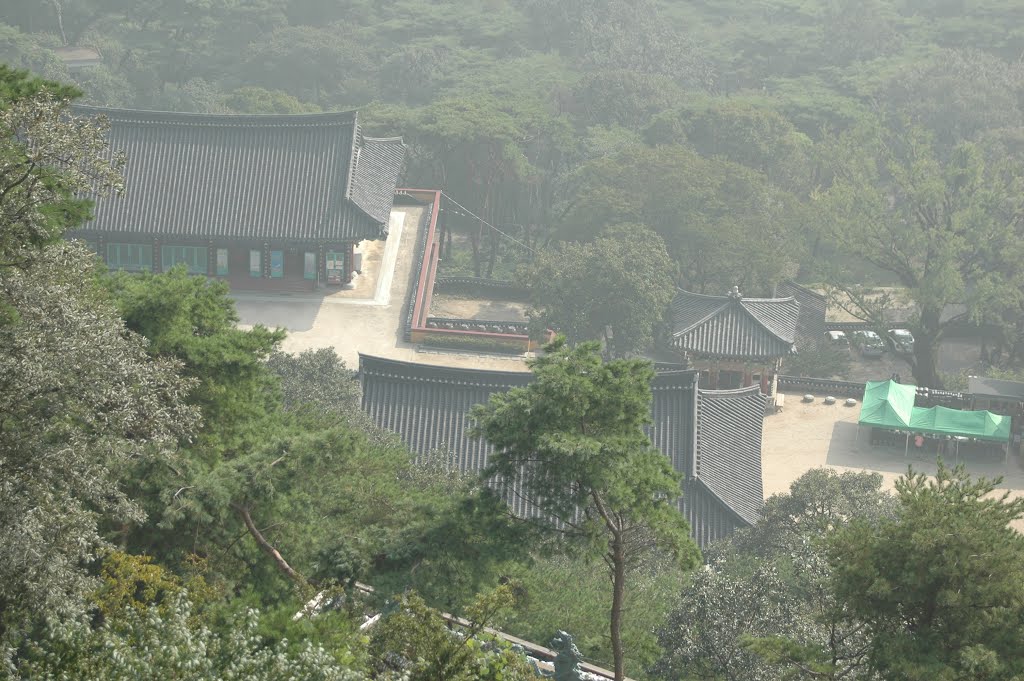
column 847, row 143
column 179, row 499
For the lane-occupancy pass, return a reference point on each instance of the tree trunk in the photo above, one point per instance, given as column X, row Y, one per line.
column 266, row 547
column 618, row 595
column 474, row 238
column 926, row 350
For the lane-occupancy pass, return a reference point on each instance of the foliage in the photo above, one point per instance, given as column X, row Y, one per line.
column 317, row 383
column 819, row 361
column 48, row 161
column 193, row 320
column 941, row 584
column 413, row 642
column 559, row 592
column 945, row 228
column 80, row 401
column 704, row 635
column 763, row 608
column 619, row 283
column 721, row 223
column 573, row 443
column 167, row 642
column 474, row 343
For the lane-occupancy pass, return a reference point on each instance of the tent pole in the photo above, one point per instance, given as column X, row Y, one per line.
column 907, row 448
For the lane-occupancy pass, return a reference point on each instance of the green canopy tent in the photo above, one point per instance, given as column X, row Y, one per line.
column 980, row 425
column 887, row 404
column 890, row 405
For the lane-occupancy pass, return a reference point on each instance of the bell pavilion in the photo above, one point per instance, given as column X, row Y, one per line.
column 734, row 342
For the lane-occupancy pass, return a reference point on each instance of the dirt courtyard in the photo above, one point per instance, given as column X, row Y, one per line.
column 464, row 307
column 811, row 435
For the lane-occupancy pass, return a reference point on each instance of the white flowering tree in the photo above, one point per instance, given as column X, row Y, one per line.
column 764, row 607
column 50, row 163
column 80, row 399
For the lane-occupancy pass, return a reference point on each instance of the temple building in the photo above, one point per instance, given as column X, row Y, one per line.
column 734, row 342
column 263, row 201
column 810, row 323
column 712, row 438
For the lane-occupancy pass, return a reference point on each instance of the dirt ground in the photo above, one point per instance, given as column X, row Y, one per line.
column 461, row 307
column 811, row 435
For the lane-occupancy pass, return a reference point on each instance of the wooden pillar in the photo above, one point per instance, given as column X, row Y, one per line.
column 321, row 265
column 350, row 253
column 158, row 261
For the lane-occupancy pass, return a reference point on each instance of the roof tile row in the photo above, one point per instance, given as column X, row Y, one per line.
column 252, row 177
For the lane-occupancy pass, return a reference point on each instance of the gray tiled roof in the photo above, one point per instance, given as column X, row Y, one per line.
column 253, row 176
column 729, row 447
column 810, row 323
column 734, row 327
column 428, row 407
column 378, row 164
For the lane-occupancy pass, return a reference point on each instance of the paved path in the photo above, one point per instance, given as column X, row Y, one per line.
column 368, row 317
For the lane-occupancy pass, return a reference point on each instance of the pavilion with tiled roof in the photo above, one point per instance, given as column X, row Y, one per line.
column 734, row 341
column 713, row 438
column 272, row 201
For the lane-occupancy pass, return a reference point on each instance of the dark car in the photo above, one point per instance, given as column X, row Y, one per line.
column 869, row 343
column 902, row 341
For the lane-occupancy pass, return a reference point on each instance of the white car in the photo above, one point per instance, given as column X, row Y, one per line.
column 837, row 338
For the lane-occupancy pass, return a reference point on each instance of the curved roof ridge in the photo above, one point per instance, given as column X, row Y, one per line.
column 198, row 118
column 767, row 300
column 800, row 287
column 702, row 295
column 768, row 323
column 440, row 370
column 725, row 504
column 732, row 392
column 703, row 298
column 378, row 163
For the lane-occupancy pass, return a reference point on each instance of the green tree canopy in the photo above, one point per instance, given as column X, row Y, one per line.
column 946, row 228
column 941, row 585
column 48, row 160
column 80, row 401
column 572, row 443
column 764, row 607
column 619, row 283
column 721, row 222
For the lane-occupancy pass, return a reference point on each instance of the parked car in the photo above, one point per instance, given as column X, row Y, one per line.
column 902, row 341
column 869, row 343
column 837, row 339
